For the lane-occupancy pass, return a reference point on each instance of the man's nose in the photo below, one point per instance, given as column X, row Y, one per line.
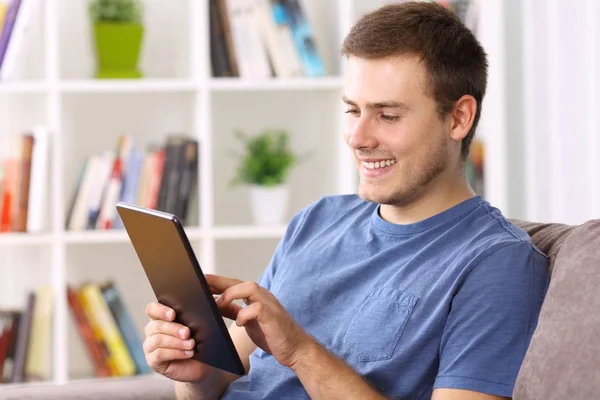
column 362, row 135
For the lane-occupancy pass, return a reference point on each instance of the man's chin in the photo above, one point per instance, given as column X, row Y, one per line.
column 385, row 197
column 374, row 197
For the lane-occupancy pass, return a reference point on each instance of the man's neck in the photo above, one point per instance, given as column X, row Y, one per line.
column 431, row 201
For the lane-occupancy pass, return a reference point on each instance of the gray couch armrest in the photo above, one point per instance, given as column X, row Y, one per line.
column 152, row 386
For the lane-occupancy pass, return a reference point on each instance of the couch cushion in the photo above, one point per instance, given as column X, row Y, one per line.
column 563, row 359
column 153, row 386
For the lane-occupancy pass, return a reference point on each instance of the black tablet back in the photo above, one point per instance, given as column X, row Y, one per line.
column 175, row 276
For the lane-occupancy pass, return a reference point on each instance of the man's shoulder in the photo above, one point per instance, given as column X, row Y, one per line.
column 491, row 232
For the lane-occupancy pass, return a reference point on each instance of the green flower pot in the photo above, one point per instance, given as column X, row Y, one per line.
column 118, row 49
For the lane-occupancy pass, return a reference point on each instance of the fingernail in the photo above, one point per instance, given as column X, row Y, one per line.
column 189, row 353
column 182, row 332
column 188, row 343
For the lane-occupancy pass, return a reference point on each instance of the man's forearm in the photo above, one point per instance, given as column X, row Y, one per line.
column 324, row 376
column 210, row 388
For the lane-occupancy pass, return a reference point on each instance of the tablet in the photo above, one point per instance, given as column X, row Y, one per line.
column 177, row 280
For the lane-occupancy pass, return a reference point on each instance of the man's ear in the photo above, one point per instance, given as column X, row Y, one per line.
column 463, row 116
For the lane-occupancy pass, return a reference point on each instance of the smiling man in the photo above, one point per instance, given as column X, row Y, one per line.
column 416, row 288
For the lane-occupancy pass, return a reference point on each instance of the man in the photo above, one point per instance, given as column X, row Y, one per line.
column 415, row 289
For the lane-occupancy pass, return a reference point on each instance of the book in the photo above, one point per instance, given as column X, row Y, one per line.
column 21, row 195
column 3, row 9
column 24, row 25
column 38, row 363
column 97, row 352
column 38, row 189
column 126, row 326
column 8, row 27
column 304, row 39
column 106, row 330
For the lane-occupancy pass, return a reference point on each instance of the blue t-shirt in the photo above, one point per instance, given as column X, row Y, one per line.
column 448, row 302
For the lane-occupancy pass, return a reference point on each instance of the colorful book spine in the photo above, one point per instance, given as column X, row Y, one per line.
column 8, row 26
column 304, row 39
column 105, row 323
column 126, row 326
column 96, row 351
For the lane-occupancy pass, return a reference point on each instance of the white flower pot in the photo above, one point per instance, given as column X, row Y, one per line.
column 269, row 205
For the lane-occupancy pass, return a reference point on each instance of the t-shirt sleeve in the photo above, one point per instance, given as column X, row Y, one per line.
column 491, row 321
column 266, row 278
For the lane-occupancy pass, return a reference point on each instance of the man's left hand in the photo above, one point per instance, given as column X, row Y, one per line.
column 267, row 323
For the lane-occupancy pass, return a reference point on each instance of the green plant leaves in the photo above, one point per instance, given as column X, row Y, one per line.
column 116, row 11
column 267, row 160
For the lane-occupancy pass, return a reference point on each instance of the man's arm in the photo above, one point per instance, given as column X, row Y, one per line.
column 215, row 385
column 460, row 394
column 325, row 376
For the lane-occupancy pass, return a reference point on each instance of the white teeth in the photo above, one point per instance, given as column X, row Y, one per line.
column 379, row 164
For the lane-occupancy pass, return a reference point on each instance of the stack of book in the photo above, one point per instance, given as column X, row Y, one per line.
column 25, row 339
column 23, row 183
column 161, row 178
column 107, row 329
column 105, row 325
column 261, row 39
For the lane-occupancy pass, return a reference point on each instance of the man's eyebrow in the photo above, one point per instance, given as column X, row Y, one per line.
column 379, row 104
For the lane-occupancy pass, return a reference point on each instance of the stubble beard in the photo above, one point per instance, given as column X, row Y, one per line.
column 415, row 179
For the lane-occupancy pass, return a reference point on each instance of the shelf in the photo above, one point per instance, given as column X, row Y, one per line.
column 24, row 239
column 175, row 85
column 23, row 87
column 249, row 232
column 114, row 236
column 306, row 84
column 126, row 85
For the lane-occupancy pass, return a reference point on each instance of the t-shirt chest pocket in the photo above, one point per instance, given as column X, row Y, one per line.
column 376, row 328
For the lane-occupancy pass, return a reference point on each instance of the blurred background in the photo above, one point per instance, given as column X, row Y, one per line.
column 227, row 113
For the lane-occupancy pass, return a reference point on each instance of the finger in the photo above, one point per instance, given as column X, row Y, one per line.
column 156, row 310
column 166, row 342
column 251, row 291
column 175, row 329
column 228, row 310
column 162, row 355
column 220, row 283
column 253, row 312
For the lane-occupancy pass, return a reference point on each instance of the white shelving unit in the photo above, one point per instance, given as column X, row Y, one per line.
column 85, row 115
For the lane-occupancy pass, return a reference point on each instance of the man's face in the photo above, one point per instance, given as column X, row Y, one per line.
column 400, row 145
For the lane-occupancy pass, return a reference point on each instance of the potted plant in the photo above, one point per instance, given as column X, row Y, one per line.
column 118, row 33
column 265, row 167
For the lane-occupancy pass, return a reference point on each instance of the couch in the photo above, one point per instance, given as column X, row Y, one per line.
column 561, row 363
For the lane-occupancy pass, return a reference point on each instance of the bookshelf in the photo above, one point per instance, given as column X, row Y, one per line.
column 177, row 94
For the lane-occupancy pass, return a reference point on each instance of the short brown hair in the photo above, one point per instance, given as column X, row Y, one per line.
column 455, row 61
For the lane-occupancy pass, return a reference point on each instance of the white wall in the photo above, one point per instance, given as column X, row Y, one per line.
column 561, row 110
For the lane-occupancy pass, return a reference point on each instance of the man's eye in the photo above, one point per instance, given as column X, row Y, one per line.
column 390, row 118
column 352, row 111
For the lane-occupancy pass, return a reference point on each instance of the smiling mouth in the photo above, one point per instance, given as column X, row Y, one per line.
column 378, row 164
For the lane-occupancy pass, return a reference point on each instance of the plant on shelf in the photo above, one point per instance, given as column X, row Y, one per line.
column 265, row 168
column 118, row 34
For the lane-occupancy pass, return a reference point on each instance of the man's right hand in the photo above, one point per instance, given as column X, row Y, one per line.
column 169, row 348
